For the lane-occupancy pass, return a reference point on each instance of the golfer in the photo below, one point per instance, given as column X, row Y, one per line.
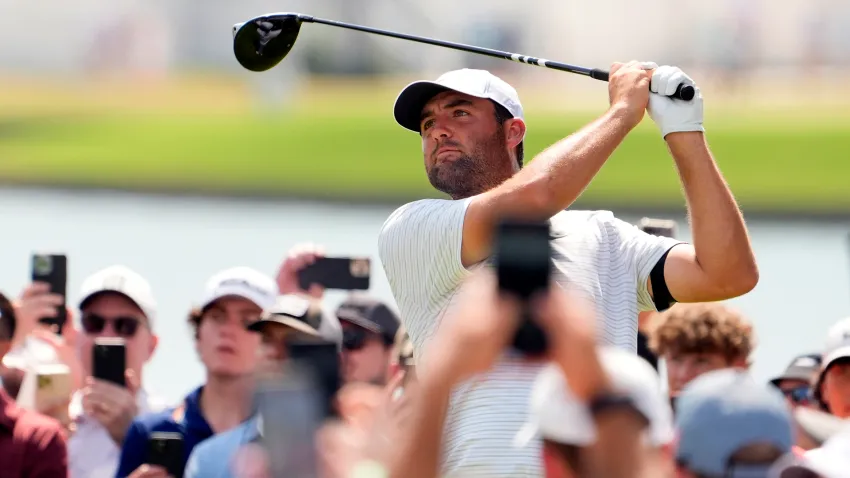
column 472, row 131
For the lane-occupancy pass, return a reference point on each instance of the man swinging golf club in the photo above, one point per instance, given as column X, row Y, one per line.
column 472, row 130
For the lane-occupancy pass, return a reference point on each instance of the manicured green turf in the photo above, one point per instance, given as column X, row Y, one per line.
column 772, row 161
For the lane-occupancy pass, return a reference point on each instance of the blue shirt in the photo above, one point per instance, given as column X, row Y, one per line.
column 187, row 420
column 214, row 457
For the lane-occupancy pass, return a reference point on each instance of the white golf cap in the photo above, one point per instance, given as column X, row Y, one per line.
column 121, row 280
column 243, row 282
column 557, row 415
column 478, row 83
column 837, row 347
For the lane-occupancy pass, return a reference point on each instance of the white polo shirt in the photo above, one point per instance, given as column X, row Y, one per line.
column 91, row 451
column 420, row 248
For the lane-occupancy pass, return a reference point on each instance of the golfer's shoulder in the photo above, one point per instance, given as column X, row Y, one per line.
column 424, row 213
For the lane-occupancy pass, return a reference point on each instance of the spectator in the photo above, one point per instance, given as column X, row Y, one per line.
column 471, row 133
column 832, row 460
column 815, row 427
column 114, row 302
column 567, row 427
column 31, row 445
column 832, row 384
column 697, row 338
column 292, row 317
column 233, row 300
column 795, row 382
column 368, row 330
column 730, row 425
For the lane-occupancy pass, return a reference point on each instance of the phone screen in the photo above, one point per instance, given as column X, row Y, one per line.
column 165, row 449
column 109, row 360
column 290, row 415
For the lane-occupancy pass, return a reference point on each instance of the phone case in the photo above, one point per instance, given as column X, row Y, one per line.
column 341, row 273
column 165, row 449
column 53, row 270
column 110, row 360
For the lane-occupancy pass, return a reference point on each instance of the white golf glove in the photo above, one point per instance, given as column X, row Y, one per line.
column 673, row 115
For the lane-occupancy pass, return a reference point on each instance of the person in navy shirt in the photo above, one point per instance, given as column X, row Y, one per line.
column 234, row 299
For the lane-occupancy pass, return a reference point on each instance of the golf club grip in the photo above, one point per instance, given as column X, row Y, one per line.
column 683, row 92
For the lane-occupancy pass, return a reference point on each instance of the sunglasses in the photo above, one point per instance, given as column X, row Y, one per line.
column 799, row 394
column 123, row 326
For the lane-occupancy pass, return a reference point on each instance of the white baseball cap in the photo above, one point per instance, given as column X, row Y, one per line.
column 244, row 282
column 478, row 83
column 557, row 415
column 837, row 347
column 832, row 460
column 121, row 280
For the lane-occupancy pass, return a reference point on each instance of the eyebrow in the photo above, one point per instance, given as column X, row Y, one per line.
column 453, row 104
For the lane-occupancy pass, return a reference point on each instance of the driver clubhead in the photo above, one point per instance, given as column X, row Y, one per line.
column 261, row 43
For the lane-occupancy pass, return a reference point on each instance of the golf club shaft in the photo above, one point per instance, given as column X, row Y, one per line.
column 684, row 92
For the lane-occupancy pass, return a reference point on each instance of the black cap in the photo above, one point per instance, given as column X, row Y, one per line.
column 803, row 367
column 369, row 313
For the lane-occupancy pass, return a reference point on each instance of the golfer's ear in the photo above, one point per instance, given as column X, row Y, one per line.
column 515, row 132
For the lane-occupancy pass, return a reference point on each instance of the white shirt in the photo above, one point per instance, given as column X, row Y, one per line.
column 420, row 248
column 91, row 451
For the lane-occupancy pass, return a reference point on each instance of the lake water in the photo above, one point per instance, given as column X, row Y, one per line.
column 178, row 242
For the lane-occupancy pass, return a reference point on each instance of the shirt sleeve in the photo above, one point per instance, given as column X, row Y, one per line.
column 133, row 450
column 48, row 453
column 420, row 249
column 640, row 252
column 193, row 465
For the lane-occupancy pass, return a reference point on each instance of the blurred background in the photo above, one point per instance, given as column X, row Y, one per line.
column 130, row 134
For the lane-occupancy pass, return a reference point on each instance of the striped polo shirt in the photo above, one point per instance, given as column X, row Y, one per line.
column 604, row 257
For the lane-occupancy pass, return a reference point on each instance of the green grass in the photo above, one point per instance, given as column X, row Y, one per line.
column 773, row 161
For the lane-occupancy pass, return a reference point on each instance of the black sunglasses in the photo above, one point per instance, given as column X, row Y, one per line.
column 123, row 326
column 799, row 394
column 354, row 338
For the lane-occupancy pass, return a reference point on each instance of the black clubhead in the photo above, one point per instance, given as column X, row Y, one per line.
column 260, row 44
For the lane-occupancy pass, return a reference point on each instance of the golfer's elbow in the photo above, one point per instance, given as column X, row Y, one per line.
column 738, row 280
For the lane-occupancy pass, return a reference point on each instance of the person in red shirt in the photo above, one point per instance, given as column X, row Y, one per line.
column 31, row 445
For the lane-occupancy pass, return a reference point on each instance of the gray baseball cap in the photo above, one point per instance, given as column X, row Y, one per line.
column 724, row 411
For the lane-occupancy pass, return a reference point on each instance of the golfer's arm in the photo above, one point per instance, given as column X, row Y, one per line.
column 720, row 264
column 549, row 184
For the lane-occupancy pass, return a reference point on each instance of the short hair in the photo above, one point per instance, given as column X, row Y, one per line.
column 502, row 115
column 194, row 320
column 8, row 323
column 707, row 328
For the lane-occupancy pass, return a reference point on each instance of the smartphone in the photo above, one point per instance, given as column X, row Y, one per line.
column 290, row 409
column 53, row 270
column 322, row 361
column 523, row 260
column 658, row 227
column 342, row 273
column 165, row 449
column 109, row 360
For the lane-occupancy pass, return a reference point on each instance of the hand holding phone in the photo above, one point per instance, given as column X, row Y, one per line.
column 52, row 269
column 342, row 273
column 523, row 267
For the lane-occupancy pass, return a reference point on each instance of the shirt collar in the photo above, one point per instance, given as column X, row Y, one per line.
column 193, row 417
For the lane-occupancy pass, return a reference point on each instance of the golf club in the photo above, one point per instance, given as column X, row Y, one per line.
column 261, row 43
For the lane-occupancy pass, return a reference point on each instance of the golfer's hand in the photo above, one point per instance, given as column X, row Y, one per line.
column 628, row 88
column 672, row 115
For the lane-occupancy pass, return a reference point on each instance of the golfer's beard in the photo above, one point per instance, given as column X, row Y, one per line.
column 471, row 174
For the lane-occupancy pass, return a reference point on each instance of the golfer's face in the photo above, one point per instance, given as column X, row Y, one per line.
column 451, row 126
